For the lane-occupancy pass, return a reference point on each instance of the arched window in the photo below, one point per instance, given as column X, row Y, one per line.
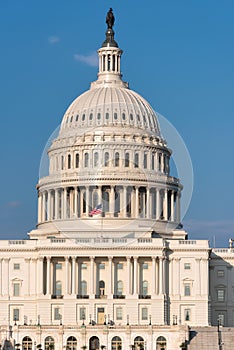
column 99, row 116
column 94, row 343
column 106, row 159
column 69, row 161
column 117, row 159
column 27, row 343
column 58, row 288
column 96, row 159
column 91, row 116
column 77, row 117
column 145, row 287
column 49, row 343
column 101, row 288
column 119, row 290
column 107, row 115
column 83, row 288
column 126, row 163
column 116, row 343
column 71, row 343
column 139, row 343
column 115, row 116
column 77, row 160
column 109, row 62
column 123, row 116
column 161, row 343
column 136, row 160
column 83, row 117
column 86, row 160
column 159, row 161
column 131, row 117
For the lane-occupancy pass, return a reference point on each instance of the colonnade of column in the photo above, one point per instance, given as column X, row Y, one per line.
column 117, row 201
column 72, row 277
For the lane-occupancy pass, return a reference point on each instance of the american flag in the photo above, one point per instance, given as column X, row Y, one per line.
column 97, row 210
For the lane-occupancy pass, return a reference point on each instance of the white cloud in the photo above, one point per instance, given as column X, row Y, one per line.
column 14, row 204
column 53, row 39
column 90, row 60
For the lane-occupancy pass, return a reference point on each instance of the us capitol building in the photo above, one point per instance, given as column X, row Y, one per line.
column 109, row 265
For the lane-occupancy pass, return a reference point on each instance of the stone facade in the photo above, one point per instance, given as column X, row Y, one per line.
column 109, row 265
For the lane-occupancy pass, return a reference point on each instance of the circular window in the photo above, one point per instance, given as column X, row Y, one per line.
column 99, row 116
column 83, row 117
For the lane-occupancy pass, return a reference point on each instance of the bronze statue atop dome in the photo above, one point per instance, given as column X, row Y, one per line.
column 110, row 19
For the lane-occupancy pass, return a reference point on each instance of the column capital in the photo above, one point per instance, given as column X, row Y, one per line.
column 27, row 260
column 92, row 258
column 48, row 258
column 135, row 257
column 128, row 257
column 110, row 258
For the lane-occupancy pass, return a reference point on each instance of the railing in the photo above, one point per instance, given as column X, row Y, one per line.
column 100, row 296
column 118, row 296
column 142, row 296
column 54, row 296
column 82, row 296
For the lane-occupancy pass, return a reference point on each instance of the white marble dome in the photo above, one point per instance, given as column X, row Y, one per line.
column 109, row 106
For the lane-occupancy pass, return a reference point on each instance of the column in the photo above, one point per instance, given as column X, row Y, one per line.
column 156, row 162
column 43, row 206
column 65, row 203
column 172, row 206
column 40, row 277
column 87, row 200
column 197, row 283
column 112, row 201
column 92, row 275
column 136, row 202
column 75, row 202
column 48, row 205
column 28, row 282
column 158, row 206
column 128, row 285
column 153, row 273
column 110, row 277
column 67, row 289
column 48, row 279
column 135, row 279
column 162, row 163
column 1, row 276
column 148, row 203
column 73, row 275
column 56, row 193
column 178, row 207
column 124, row 201
column 5, row 277
column 39, row 207
column 165, row 206
column 160, row 277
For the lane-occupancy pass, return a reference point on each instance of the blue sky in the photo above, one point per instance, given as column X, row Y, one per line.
column 178, row 54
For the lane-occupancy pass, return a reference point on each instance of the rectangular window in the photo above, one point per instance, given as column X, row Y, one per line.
column 84, row 266
column 16, row 266
column 145, row 161
column 144, row 313
column 82, row 313
column 16, row 314
column 136, row 161
column 221, row 295
column 145, row 266
column 187, row 291
column 152, row 162
column 120, row 266
column 187, row 315
column 102, row 266
column 220, row 273
column 57, row 314
column 187, row 266
column 16, row 289
column 126, row 162
column 119, row 313
column 58, row 266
